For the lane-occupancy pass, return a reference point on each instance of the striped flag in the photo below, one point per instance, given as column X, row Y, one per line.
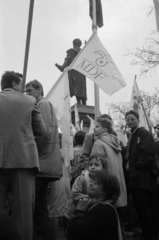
column 99, row 13
column 156, row 4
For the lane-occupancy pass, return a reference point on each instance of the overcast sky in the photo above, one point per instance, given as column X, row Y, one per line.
column 57, row 22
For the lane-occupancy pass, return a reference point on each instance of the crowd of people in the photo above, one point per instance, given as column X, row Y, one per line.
column 105, row 178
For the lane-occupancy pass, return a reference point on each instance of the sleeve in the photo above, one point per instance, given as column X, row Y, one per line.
column 86, row 150
column 76, row 224
column 38, row 124
column 45, row 110
column 146, row 150
column 69, row 58
column 87, row 145
column 79, row 189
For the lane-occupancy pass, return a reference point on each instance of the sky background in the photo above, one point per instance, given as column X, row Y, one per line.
column 57, row 22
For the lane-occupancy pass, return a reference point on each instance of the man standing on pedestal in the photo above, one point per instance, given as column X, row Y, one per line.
column 77, row 81
column 49, row 156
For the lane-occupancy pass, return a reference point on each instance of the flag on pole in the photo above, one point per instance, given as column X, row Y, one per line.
column 135, row 104
column 77, row 119
column 91, row 129
column 59, row 96
column 156, row 4
column 99, row 13
column 95, row 62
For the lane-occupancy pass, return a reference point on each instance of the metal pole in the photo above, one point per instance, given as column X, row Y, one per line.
column 96, row 88
column 27, row 43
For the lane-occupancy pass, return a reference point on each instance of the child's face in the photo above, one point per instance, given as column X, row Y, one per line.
column 94, row 166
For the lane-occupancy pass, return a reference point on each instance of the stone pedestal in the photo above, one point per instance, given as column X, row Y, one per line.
column 83, row 111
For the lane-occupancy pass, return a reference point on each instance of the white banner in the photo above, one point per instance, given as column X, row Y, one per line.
column 59, row 96
column 95, row 62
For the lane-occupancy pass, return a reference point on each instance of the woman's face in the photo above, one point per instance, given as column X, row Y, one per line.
column 94, row 166
column 132, row 122
column 96, row 190
column 98, row 129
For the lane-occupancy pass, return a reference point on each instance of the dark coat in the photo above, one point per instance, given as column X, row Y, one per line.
column 141, row 158
column 98, row 223
column 48, row 145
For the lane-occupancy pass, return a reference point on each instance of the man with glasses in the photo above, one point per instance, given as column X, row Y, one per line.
column 49, row 156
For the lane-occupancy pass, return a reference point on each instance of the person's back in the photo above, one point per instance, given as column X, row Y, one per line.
column 16, row 130
column 20, row 122
column 48, row 146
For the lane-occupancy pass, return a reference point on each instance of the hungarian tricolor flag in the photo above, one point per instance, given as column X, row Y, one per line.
column 156, row 4
column 99, row 14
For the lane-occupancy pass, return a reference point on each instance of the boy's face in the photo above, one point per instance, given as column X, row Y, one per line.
column 95, row 165
column 132, row 122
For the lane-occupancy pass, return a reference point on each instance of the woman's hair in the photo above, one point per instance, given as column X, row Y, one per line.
column 133, row 113
column 79, row 137
column 105, row 115
column 110, row 183
column 105, row 123
column 103, row 160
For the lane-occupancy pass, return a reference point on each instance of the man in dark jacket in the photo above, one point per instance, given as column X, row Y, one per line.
column 77, row 81
column 49, row 156
column 142, row 180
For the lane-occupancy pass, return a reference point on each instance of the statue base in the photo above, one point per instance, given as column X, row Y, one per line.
column 83, row 111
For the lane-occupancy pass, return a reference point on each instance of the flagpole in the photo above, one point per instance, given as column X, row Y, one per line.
column 96, row 88
column 27, row 43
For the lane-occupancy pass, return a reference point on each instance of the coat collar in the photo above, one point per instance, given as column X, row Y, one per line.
column 9, row 89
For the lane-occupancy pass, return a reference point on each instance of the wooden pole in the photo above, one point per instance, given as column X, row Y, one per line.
column 96, row 88
column 27, row 43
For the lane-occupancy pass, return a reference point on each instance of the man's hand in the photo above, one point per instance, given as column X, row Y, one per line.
column 59, row 67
